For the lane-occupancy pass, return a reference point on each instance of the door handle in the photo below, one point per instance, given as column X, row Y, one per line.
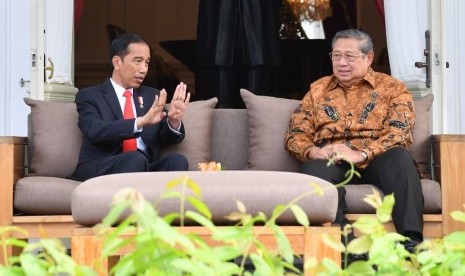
column 50, row 68
column 426, row 64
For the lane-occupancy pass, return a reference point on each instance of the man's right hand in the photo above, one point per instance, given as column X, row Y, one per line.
column 337, row 152
column 155, row 113
column 325, row 152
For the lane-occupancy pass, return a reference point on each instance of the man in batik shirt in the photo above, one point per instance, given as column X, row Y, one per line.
column 366, row 118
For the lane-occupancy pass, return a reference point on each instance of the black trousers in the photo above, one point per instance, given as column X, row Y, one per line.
column 392, row 172
column 134, row 161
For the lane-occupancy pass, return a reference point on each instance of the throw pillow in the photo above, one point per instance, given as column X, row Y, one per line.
column 268, row 119
column 197, row 123
column 421, row 148
column 55, row 138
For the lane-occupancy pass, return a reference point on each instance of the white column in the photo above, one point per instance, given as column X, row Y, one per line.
column 59, row 50
column 455, row 55
column 438, row 68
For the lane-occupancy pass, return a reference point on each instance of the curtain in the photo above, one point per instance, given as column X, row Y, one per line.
column 78, row 6
column 58, row 39
column 406, row 23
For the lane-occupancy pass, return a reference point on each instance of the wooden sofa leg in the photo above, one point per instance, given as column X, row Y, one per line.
column 10, row 251
column 86, row 246
column 86, row 249
column 315, row 247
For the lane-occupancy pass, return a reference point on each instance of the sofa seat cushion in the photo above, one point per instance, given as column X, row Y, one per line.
column 43, row 195
column 355, row 194
column 260, row 191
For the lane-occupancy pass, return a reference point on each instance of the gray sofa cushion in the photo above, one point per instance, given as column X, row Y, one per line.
column 421, row 146
column 228, row 143
column 268, row 120
column 42, row 195
column 55, row 138
column 260, row 191
column 198, row 124
column 431, row 195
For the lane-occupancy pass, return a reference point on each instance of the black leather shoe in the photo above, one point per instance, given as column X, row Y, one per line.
column 410, row 245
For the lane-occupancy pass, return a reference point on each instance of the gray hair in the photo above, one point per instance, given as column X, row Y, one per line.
column 366, row 44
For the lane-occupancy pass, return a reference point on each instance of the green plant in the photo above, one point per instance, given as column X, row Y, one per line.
column 51, row 258
column 159, row 248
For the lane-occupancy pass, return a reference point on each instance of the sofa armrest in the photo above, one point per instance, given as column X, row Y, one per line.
column 448, row 168
column 12, row 168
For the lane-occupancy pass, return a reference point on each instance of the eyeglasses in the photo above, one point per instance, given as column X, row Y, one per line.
column 349, row 56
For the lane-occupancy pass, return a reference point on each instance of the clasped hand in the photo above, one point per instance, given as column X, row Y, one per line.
column 177, row 109
column 337, row 152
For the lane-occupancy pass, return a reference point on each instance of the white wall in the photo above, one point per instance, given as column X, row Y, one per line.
column 14, row 64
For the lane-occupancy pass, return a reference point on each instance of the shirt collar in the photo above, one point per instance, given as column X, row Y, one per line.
column 369, row 78
column 119, row 89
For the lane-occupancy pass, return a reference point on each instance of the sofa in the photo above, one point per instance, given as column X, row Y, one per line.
column 247, row 142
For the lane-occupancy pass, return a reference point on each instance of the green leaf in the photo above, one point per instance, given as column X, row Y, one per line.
column 171, row 217
column 261, row 267
column 374, row 199
column 173, row 183
column 115, row 213
column 4, row 230
column 277, row 211
column 200, row 219
column 359, row 245
column 170, row 194
column 33, row 265
column 300, row 215
column 232, row 233
column 16, row 242
column 455, row 241
column 368, row 224
column 318, row 190
column 236, row 216
column 334, row 243
column 241, row 207
column 226, row 253
column 284, row 246
column 194, row 187
column 458, row 215
column 384, row 211
column 360, row 268
column 200, row 206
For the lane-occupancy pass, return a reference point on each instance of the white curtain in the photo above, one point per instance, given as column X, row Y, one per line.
column 406, row 23
column 59, row 39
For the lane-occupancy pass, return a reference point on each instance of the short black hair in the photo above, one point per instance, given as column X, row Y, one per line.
column 119, row 45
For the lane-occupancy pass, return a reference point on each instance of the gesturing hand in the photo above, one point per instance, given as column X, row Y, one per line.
column 155, row 113
column 178, row 105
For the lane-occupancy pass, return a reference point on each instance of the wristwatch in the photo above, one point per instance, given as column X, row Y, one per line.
column 365, row 155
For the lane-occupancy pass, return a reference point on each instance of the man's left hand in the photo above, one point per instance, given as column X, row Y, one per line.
column 178, row 105
column 343, row 152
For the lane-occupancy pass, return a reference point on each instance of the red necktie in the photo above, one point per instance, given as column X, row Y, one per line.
column 128, row 144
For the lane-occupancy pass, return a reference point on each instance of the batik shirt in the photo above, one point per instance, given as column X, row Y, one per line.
column 375, row 114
